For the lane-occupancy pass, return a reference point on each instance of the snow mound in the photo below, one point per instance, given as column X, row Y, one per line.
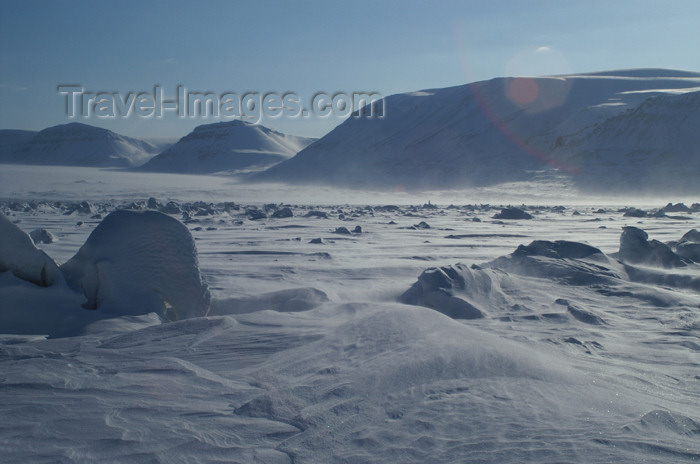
column 437, row 287
column 560, row 280
column 135, row 263
column 292, row 300
column 562, row 261
column 689, row 246
column 19, row 256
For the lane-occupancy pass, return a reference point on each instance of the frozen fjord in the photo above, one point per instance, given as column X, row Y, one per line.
column 360, row 377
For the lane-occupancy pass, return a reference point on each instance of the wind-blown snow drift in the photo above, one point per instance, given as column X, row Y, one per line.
column 133, row 264
column 19, row 256
column 578, row 357
column 579, row 272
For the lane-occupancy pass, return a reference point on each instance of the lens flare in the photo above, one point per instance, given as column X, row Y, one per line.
column 524, row 90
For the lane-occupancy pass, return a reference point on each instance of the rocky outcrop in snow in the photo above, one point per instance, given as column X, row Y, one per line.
column 636, row 248
column 689, row 246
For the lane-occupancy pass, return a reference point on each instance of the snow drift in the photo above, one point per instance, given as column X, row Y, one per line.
column 132, row 264
column 580, row 274
column 227, row 146
column 577, row 356
column 19, row 255
column 137, row 262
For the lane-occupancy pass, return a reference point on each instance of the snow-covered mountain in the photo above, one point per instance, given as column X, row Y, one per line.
column 227, row 146
column 77, row 144
column 656, row 143
column 613, row 129
column 11, row 140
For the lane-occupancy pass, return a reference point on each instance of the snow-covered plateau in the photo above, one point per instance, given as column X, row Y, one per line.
column 179, row 319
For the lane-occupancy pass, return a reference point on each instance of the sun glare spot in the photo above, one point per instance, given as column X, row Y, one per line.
column 524, row 90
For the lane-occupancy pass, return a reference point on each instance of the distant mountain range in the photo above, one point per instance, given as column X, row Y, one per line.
column 74, row 144
column 614, row 130
column 232, row 146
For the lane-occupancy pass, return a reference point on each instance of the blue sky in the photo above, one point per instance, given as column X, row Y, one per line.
column 308, row 47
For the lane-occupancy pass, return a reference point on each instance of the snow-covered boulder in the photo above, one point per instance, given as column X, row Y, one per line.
column 290, row 300
column 689, row 246
column 282, row 213
column 137, row 262
column 441, row 288
column 636, row 248
column 512, row 213
column 19, row 256
column 42, row 236
column 470, row 292
column 693, row 236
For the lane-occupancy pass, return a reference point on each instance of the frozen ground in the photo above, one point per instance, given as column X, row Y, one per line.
column 308, row 356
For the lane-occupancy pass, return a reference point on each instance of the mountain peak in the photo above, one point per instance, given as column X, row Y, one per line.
column 232, row 146
column 78, row 144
